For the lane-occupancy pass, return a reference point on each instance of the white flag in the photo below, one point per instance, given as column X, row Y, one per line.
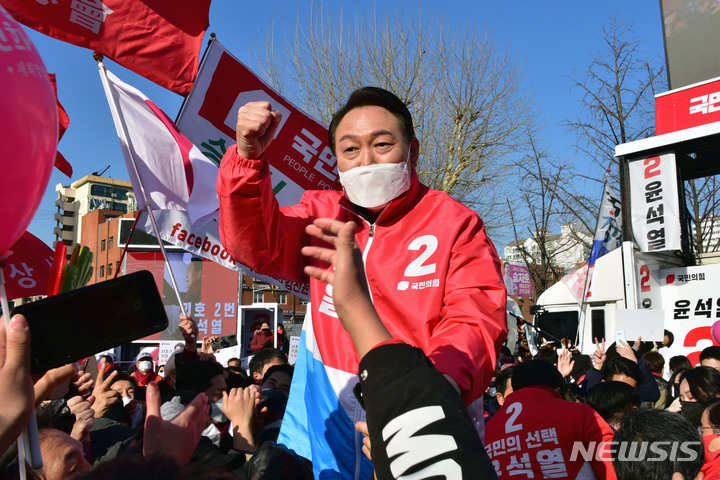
column 175, row 174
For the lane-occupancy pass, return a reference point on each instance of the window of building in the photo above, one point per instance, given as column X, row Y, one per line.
column 281, row 298
column 303, row 302
column 257, row 297
column 111, row 242
column 102, row 245
column 110, row 269
column 102, row 271
column 117, row 265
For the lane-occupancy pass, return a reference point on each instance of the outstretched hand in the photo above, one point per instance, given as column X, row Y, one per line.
column 599, row 356
column 179, row 436
column 351, row 296
column 15, row 380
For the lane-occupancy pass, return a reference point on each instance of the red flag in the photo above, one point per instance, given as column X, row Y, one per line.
column 63, row 122
column 27, row 269
column 157, row 39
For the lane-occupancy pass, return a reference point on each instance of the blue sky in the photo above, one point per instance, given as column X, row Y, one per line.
column 554, row 39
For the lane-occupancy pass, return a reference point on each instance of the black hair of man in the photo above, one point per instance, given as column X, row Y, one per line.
column 583, row 363
column 374, row 97
column 713, row 411
column 197, row 376
column 622, row 366
column 549, row 354
column 612, row 400
column 679, row 362
column 663, row 430
column 712, row 352
column 502, row 380
column 536, row 372
column 671, row 338
column 108, row 358
column 124, row 376
column 704, row 384
column 289, row 369
column 266, row 355
column 655, row 361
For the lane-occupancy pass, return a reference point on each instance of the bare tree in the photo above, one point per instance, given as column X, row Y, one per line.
column 464, row 92
column 617, row 105
column 542, row 188
column 703, row 206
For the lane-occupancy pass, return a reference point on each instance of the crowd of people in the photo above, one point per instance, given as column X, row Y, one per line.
column 405, row 332
column 616, row 414
column 192, row 416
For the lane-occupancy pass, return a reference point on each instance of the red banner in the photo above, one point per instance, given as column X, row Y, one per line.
column 687, row 107
column 157, row 39
column 300, row 156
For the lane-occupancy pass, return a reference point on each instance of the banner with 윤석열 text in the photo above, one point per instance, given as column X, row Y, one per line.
column 209, row 292
column 655, row 204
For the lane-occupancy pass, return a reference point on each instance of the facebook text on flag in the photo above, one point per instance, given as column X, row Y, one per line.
column 201, row 243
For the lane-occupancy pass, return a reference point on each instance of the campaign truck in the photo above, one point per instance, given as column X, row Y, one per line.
column 657, row 279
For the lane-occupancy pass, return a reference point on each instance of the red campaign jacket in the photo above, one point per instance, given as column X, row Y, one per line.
column 263, row 339
column 536, row 431
column 433, row 273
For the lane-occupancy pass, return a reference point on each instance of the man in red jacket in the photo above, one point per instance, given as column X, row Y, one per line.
column 433, row 274
column 538, row 434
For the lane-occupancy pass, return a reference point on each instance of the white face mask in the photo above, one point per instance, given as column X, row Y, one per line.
column 144, row 366
column 126, row 401
column 372, row 186
column 216, row 411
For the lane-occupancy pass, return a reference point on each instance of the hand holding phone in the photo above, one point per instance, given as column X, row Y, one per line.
column 620, row 335
column 79, row 323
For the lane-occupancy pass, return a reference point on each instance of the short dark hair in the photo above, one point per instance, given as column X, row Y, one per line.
column 374, row 97
column 196, row 376
column 288, row 369
column 665, row 429
column 679, row 362
column 622, row 366
column 704, row 384
column 714, row 413
column 124, row 376
column 612, row 400
column 536, row 372
column 712, row 352
column 549, row 354
column 655, row 361
column 502, row 379
column 266, row 355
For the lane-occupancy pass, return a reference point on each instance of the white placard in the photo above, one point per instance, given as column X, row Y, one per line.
column 654, row 203
column 649, row 324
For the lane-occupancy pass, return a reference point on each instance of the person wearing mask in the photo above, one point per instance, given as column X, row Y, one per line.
column 263, row 338
column 283, row 342
column 698, row 388
column 710, row 432
column 433, row 273
column 144, row 373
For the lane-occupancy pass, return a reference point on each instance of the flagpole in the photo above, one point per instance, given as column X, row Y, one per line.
column 202, row 62
column 122, row 131
column 587, row 276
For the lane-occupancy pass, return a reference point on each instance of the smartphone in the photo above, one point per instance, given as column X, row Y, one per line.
column 620, row 335
column 77, row 324
column 226, row 341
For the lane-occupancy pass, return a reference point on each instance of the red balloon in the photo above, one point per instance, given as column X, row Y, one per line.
column 28, row 130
